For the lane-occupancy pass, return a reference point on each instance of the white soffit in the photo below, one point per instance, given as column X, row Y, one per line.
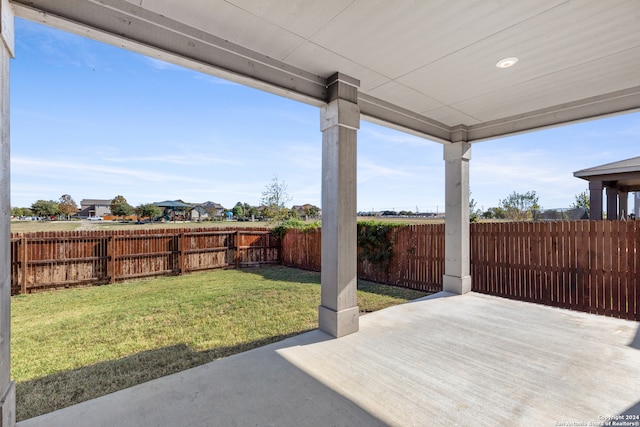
column 424, row 67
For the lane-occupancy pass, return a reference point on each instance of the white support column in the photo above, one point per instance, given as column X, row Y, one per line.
column 457, row 267
column 7, row 387
column 339, row 122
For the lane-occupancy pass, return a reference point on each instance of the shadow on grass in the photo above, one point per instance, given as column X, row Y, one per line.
column 290, row 274
column 59, row 390
column 284, row 274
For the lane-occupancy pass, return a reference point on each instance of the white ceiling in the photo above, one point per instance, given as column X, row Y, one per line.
column 424, row 66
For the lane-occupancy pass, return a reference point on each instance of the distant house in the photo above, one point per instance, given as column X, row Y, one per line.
column 213, row 210
column 94, row 207
column 307, row 210
column 199, row 213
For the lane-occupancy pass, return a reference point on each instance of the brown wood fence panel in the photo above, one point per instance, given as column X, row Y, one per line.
column 50, row 260
column 589, row 266
column 205, row 250
column 417, row 261
column 257, row 247
column 302, row 249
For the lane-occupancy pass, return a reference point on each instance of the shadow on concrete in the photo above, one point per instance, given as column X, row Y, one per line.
column 61, row 389
column 636, row 340
column 436, row 295
column 633, row 410
column 259, row 387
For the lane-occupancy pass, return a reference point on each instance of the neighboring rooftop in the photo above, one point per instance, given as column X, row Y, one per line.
column 631, row 165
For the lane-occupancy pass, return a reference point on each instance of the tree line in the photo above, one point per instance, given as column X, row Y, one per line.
column 273, row 200
column 65, row 206
column 519, row 207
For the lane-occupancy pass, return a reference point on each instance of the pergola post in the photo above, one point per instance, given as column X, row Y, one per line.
column 339, row 122
column 595, row 200
column 7, row 387
column 612, row 203
column 623, row 204
column 457, row 268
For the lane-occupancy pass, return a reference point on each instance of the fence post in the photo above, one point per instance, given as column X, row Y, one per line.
column 181, row 260
column 24, row 264
column 111, row 259
column 236, row 249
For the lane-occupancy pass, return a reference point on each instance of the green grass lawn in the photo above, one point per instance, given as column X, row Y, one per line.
column 119, row 225
column 32, row 226
column 73, row 345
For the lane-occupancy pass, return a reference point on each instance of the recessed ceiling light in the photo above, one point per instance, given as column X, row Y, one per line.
column 507, row 62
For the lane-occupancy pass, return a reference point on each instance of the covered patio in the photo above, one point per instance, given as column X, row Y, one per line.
column 444, row 360
column 453, row 72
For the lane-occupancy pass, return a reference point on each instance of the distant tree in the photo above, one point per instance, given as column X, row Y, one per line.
column 120, row 207
column 21, row 212
column 494, row 213
column 67, row 206
column 474, row 214
column 47, row 208
column 238, row 210
column 274, row 197
column 519, row 207
column 212, row 212
column 268, row 213
column 251, row 211
column 314, row 211
column 582, row 200
column 148, row 210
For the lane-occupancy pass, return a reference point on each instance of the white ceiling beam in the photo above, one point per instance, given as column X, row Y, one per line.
column 128, row 26
column 620, row 102
column 390, row 115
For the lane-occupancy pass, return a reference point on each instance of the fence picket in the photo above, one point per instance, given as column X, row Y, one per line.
column 591, row 266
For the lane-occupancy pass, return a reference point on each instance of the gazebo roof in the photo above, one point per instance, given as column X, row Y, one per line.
column 172, row 204
column 625, row 173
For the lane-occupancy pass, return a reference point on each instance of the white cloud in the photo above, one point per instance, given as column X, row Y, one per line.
column 159, row 64
column 191, row 159
column 56, row 168
column 368, row 170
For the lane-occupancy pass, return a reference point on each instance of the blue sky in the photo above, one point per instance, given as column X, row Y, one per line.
column 95, row 121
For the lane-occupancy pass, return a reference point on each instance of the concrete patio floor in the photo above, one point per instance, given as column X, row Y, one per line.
column 442, row 360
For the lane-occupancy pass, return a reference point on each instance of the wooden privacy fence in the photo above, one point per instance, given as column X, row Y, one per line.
column 590, row 266
column 417, row 261
column 48, row 260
